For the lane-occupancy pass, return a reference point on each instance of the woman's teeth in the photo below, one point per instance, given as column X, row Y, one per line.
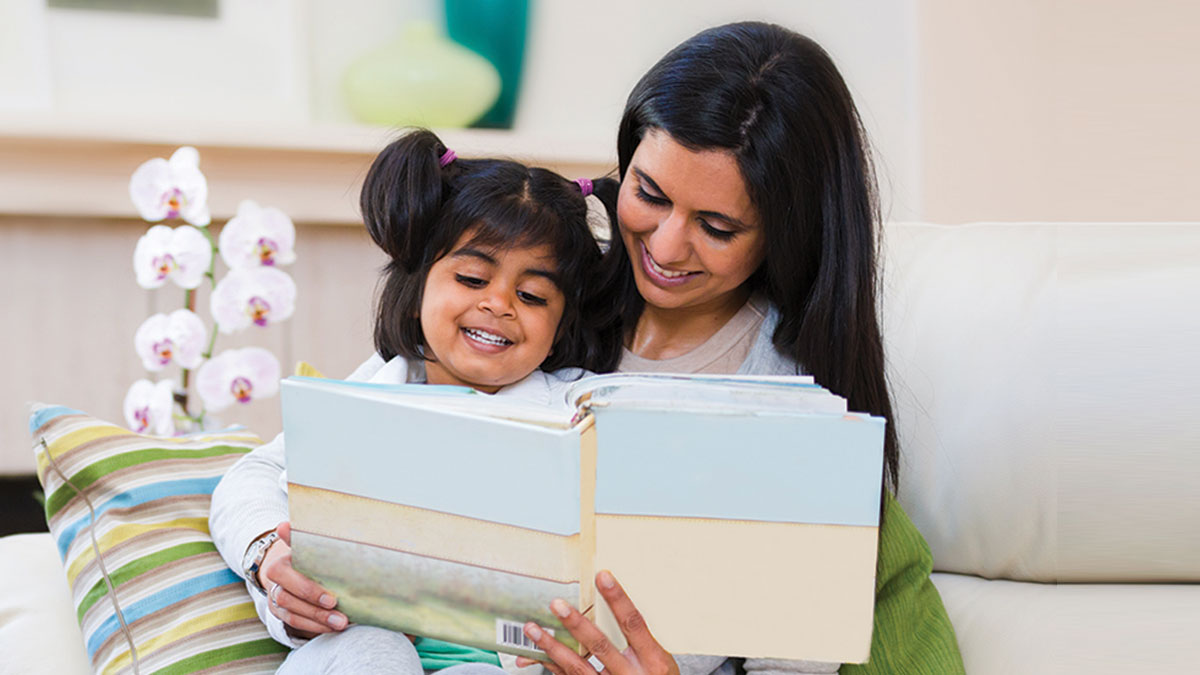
column 487, row 338
column 665, row 272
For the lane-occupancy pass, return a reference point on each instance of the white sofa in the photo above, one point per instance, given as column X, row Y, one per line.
column 1044, row 378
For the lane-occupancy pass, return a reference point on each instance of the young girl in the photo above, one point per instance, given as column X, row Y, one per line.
column 486, row 289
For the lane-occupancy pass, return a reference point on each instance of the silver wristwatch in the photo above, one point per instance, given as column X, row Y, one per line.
column 253, row 558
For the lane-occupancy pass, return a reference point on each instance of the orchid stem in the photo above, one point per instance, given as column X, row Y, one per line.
column 189, row 301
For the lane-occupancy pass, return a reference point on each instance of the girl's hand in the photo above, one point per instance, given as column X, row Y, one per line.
column 303, row 606
column 643, row 656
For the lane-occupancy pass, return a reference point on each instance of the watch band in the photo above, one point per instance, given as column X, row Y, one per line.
column 252, row 564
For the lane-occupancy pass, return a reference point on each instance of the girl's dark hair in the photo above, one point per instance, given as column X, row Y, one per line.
column 776, row 101
column 416, row 210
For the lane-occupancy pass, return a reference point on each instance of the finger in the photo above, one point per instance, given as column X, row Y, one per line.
column 284, row 530
column 524, row 661
column 590, row 637
column 299, row 622
column 629, row 619
column 297, row 608
column 299, row 585
column 566, row 661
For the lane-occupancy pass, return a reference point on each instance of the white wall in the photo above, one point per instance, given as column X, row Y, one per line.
column 583, row 63
column 282, row 61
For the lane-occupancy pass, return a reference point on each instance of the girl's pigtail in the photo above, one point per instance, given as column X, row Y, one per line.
column 402, row 196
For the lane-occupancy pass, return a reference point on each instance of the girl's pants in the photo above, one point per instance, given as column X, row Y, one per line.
column 365, row 650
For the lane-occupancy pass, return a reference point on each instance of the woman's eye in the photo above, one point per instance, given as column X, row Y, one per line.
column 715, row 233
column 530, row 298
column 472, row 282
column 649, row 198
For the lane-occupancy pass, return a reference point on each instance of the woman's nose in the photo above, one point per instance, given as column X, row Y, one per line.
column 668, row 243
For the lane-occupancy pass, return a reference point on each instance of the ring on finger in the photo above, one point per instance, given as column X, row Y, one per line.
column 274, row 596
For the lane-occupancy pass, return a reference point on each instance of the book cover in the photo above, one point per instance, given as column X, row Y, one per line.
column 741, row 514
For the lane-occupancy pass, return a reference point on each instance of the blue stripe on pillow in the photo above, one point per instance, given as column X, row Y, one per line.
column 137, row 496
column 43, row 415
column 159, row 600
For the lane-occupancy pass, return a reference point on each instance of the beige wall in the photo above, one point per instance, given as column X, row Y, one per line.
column 1059, row 110
column 70, row 307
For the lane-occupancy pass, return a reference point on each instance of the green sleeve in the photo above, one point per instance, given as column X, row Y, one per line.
column 912, row 633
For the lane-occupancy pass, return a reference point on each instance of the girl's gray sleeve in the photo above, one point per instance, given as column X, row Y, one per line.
column 248, row 502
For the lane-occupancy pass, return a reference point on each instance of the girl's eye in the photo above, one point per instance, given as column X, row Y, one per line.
column 715, row 233
column 530, row 298
column 472, row 282
column 649, row 198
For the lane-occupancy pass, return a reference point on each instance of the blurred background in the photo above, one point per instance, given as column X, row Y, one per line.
column 1022, row 110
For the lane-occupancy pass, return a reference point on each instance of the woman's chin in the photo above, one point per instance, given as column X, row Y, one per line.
column 661, row 297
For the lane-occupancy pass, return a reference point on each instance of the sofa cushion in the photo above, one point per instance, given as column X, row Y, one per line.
column 1006, row 627
column 129, row 518
column 38, row 630
column 1044, row 380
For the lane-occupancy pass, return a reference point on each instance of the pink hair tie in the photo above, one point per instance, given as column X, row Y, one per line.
column 585, row 185
column 447, row 157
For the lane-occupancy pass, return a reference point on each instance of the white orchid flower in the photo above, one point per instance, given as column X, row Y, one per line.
column 237, row 376
column 258, row 236
column 259, row 296
column 148, row 407
column 182, row 254
column 172, row 188
column 178, row 338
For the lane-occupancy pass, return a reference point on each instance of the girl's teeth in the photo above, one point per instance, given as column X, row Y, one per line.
column 487, row 337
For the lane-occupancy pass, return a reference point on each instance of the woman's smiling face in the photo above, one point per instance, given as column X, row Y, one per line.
column 692, row 233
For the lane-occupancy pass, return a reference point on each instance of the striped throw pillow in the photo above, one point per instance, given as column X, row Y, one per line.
column 129, row 514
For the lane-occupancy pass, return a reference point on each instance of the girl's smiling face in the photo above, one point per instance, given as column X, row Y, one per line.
column 489, row 316
column 691, row 231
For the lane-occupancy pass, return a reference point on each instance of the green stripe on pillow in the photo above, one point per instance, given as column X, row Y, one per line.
column 93, row 472
column 141, row 565
column 223, row 657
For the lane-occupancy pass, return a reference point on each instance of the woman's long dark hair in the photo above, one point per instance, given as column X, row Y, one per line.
column 776, row 101
column 416, row 210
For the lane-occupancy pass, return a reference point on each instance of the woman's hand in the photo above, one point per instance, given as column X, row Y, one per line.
column 643, row 656
column 302, row 605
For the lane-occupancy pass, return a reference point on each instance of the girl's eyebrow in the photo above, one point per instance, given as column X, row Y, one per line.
column 467, row 252
column 714, row 215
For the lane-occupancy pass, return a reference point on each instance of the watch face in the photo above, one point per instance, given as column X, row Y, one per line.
column 251, row 555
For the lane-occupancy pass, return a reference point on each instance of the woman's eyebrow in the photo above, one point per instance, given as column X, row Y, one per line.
column 714, row 215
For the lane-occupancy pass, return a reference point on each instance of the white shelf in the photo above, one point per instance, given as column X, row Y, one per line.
column 54, row 164
column 316, row 137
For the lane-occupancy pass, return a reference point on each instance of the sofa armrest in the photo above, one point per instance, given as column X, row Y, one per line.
column 38, row 630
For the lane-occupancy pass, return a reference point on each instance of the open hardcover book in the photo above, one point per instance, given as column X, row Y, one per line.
column 740, row 513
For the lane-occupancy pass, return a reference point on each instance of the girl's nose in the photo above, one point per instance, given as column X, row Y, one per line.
column 668, row 243
column 497, row 302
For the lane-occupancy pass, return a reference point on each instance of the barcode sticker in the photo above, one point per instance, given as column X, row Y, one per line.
column 512, row 634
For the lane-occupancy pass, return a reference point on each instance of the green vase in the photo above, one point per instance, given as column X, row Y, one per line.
column 495, row 29
column 421, row 79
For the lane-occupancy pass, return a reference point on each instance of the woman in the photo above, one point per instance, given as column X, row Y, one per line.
column 746, row 244
column 747, row 229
